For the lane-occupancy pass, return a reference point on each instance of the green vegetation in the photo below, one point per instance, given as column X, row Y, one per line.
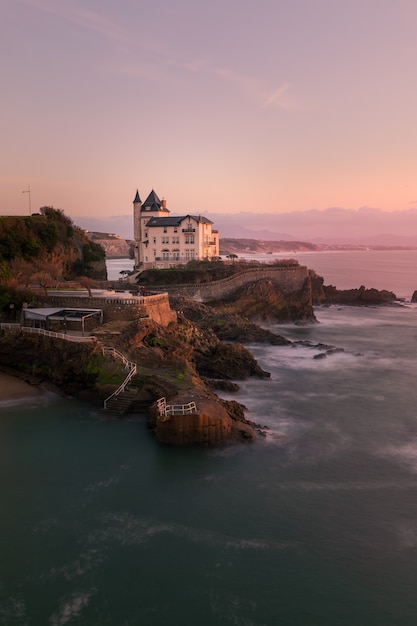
column 106, row 370
column 153, row 341
column 196, row 272
column 45, row 236
column 44, row 249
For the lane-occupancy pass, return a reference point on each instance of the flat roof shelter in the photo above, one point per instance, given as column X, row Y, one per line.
column 66, row 319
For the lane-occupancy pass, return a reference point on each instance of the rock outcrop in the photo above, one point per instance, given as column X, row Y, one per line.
column 328, row 294
column 215, row 422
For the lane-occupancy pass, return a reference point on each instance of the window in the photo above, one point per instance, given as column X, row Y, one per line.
column 176, row 255
column 189, row 239
column 154, row 239
column 165, row 229
column 154, row 253
column 175, row 240
column 165, row 255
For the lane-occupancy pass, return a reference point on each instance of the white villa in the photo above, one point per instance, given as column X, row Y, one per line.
column 162, row 241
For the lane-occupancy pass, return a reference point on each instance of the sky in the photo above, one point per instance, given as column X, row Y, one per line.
column 267, row 107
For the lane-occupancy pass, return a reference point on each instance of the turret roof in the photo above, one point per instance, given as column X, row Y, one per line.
column 153, row 203
column 137, row 198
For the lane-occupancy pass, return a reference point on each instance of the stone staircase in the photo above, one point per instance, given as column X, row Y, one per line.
column 120, row 400
column 120, row 404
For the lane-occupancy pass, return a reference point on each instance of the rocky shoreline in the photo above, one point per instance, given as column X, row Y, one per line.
column 190, row 359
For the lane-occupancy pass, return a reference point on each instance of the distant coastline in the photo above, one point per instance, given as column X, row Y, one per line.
column 118, row 248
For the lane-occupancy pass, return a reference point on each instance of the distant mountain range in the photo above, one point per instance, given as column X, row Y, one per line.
column 365, row 227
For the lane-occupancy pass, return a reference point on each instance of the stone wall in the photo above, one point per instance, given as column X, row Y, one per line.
column 126, row 309
column 290, row 279
column 192, row 429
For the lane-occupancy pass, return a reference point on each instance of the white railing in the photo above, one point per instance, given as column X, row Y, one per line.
column 129, row 365
column 166, row 410
column 9, row 326
column 50, row 333
column 180, row 409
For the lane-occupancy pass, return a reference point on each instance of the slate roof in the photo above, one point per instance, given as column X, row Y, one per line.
column 176, row 221
column 137, row 198
column 153, row 203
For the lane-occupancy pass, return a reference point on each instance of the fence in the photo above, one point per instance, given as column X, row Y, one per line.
column 166, row 410
column 47, row 333
column 129, row 365
column 50, row 333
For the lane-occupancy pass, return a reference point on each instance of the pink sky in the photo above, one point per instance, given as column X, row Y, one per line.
column 268, row 106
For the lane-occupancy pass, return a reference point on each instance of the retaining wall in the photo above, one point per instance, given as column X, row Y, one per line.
column 126, row 309
column 290, row 279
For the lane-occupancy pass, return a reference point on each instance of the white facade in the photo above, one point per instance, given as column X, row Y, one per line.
column 162, row 241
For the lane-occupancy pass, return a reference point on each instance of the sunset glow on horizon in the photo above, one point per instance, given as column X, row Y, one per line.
column 227, row 106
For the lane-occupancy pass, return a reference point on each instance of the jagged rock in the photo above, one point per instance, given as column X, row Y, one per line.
column 264, row 301
column 226, row 326
column 328, row 294
column 215, row 422
column 228, row 361
column 222, row 385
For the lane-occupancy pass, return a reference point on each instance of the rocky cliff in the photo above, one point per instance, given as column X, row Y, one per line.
column 173, row 362
column 257, row 246
column 114, row 246
column 47, row 243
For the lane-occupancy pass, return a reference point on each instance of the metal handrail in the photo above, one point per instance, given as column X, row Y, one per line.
column 130, row 365
column 50, row 333
column 180, row 409
column 167, row 410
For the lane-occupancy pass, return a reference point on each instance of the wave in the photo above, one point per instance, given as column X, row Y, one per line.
column 71, row 607
column 130, row 530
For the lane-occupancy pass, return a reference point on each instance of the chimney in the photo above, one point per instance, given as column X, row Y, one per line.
column 164, row 203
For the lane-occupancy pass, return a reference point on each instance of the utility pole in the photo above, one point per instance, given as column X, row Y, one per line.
column 28, row 192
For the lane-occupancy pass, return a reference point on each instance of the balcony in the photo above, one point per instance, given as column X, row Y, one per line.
column 188, row 230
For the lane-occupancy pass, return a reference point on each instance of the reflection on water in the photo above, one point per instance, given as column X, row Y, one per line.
column 115, row 266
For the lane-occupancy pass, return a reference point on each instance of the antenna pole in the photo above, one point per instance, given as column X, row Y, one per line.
column 28, row 192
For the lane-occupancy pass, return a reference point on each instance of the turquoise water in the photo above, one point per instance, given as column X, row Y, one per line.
column 314, row 524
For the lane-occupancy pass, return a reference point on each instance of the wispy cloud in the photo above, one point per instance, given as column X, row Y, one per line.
column 89, row 20
column 280, row 99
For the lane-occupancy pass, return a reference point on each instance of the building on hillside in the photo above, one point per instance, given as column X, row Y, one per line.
column 162, row 241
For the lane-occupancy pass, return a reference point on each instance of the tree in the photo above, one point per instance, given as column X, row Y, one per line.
column 88, row 283
column 52, row 267
column 232, row 257
column 21, row 270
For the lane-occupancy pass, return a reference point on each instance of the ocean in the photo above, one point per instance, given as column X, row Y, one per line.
column 314, row 524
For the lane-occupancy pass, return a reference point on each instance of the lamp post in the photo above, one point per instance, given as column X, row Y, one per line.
column 28, row 192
